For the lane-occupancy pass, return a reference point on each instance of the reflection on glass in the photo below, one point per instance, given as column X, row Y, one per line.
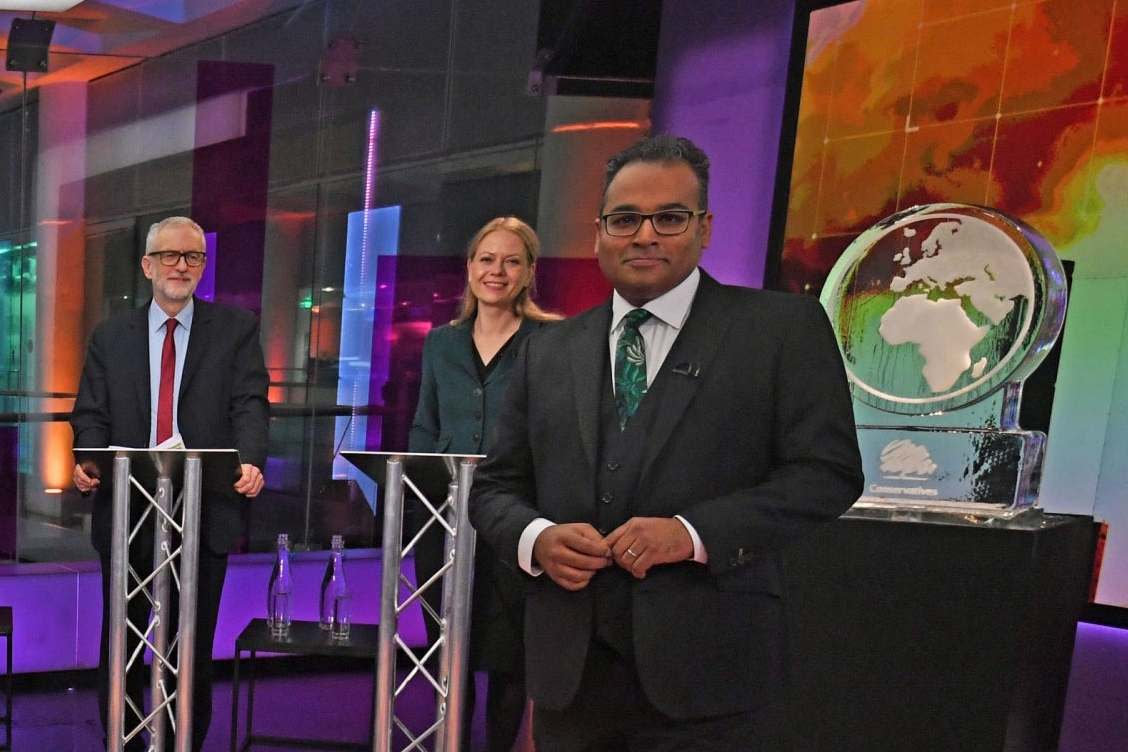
column 270, row 138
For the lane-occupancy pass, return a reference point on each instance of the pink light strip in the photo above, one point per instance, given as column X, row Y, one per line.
column 369, row 189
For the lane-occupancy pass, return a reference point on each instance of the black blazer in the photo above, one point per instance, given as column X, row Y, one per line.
column 222, row 404
column 754, row 444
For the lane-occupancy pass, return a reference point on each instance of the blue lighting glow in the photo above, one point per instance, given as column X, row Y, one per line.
column 371, row 234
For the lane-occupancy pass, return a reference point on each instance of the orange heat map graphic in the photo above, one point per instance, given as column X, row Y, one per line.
column 1019, row 106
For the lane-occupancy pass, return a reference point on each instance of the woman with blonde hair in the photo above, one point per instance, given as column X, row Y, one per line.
column 466, row 366
column 522, row 302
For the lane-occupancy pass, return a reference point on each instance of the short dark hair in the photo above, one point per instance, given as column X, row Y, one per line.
column 664, row 148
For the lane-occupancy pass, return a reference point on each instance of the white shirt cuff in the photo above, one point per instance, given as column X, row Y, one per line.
column 525, row 545
column 700, row 555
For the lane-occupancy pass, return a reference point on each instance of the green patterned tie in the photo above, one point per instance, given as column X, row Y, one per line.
column 630, row 366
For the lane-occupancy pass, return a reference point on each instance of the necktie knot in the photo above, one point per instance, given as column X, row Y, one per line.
column 170, row 325
column 636, row 318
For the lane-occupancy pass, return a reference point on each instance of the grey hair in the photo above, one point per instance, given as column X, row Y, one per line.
column 156, row 227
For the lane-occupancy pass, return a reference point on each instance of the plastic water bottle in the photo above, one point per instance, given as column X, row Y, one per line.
column 280, row 592
column 336, row 601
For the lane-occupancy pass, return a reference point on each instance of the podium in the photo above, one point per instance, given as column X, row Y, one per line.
column 933, row 637
column 405, row 472
column 154, row 474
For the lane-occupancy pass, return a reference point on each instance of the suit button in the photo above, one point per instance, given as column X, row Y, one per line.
column 607, row 497
column 477, row 437
column 613, row 465
column 603, row 531
column 477, row 391
column 477, row 416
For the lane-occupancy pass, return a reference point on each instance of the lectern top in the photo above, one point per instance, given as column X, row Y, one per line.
column 158, row 463
column 445, row 466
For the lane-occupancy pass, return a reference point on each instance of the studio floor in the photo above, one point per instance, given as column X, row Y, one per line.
column 62, row 715
column 58, row 712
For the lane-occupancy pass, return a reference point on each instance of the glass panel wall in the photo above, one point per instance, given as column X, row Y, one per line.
column 339, row 154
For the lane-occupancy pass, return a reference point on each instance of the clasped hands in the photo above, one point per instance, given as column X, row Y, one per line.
column 572, row 553
column 249, row 483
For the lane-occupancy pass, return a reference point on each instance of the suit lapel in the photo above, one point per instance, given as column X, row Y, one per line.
column 461, row 353
column 139, row 333
column 198, row 339
column 589, row 354
column 689, row 360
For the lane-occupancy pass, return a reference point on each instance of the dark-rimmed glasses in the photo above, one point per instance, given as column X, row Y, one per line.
column 666, row 222
column 172, row 258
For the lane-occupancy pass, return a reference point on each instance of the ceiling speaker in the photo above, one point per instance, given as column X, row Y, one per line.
column 28, row 41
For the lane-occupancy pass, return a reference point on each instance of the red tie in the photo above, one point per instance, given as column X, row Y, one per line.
column 168, row 383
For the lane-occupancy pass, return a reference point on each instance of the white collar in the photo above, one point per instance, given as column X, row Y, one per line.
column 671, row 307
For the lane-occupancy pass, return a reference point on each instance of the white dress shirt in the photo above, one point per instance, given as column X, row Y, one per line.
column 157, row 331
column 669, row 312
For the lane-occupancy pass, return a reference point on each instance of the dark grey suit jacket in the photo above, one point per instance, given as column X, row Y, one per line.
column 222, row 404
column 754, row 444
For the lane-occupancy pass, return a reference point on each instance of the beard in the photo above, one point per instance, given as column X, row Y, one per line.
column 174, row 291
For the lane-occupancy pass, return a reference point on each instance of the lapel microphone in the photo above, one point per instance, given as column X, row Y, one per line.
column 690, row 369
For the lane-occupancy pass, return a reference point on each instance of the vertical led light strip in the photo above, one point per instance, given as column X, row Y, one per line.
column 370, row 159
column 371, row 233
column 205, row 290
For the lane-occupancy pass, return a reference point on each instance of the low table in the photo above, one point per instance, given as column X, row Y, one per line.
column 305, row 638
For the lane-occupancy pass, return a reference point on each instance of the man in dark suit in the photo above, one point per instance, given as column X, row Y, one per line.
column 176, row 367
column 653, row 457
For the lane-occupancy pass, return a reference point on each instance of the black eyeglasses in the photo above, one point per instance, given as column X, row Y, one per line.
column 172, row 258
column 665, row 222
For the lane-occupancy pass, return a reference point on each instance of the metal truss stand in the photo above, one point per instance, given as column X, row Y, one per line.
column 403, row 475
column 170, row 680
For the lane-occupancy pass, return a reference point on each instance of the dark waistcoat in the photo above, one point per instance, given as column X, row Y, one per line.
column 617, row 476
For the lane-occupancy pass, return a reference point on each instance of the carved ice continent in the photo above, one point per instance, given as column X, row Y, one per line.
column 942, row 332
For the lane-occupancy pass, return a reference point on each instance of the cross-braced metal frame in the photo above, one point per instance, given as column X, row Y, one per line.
column 171, row 564
column 398, row 593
